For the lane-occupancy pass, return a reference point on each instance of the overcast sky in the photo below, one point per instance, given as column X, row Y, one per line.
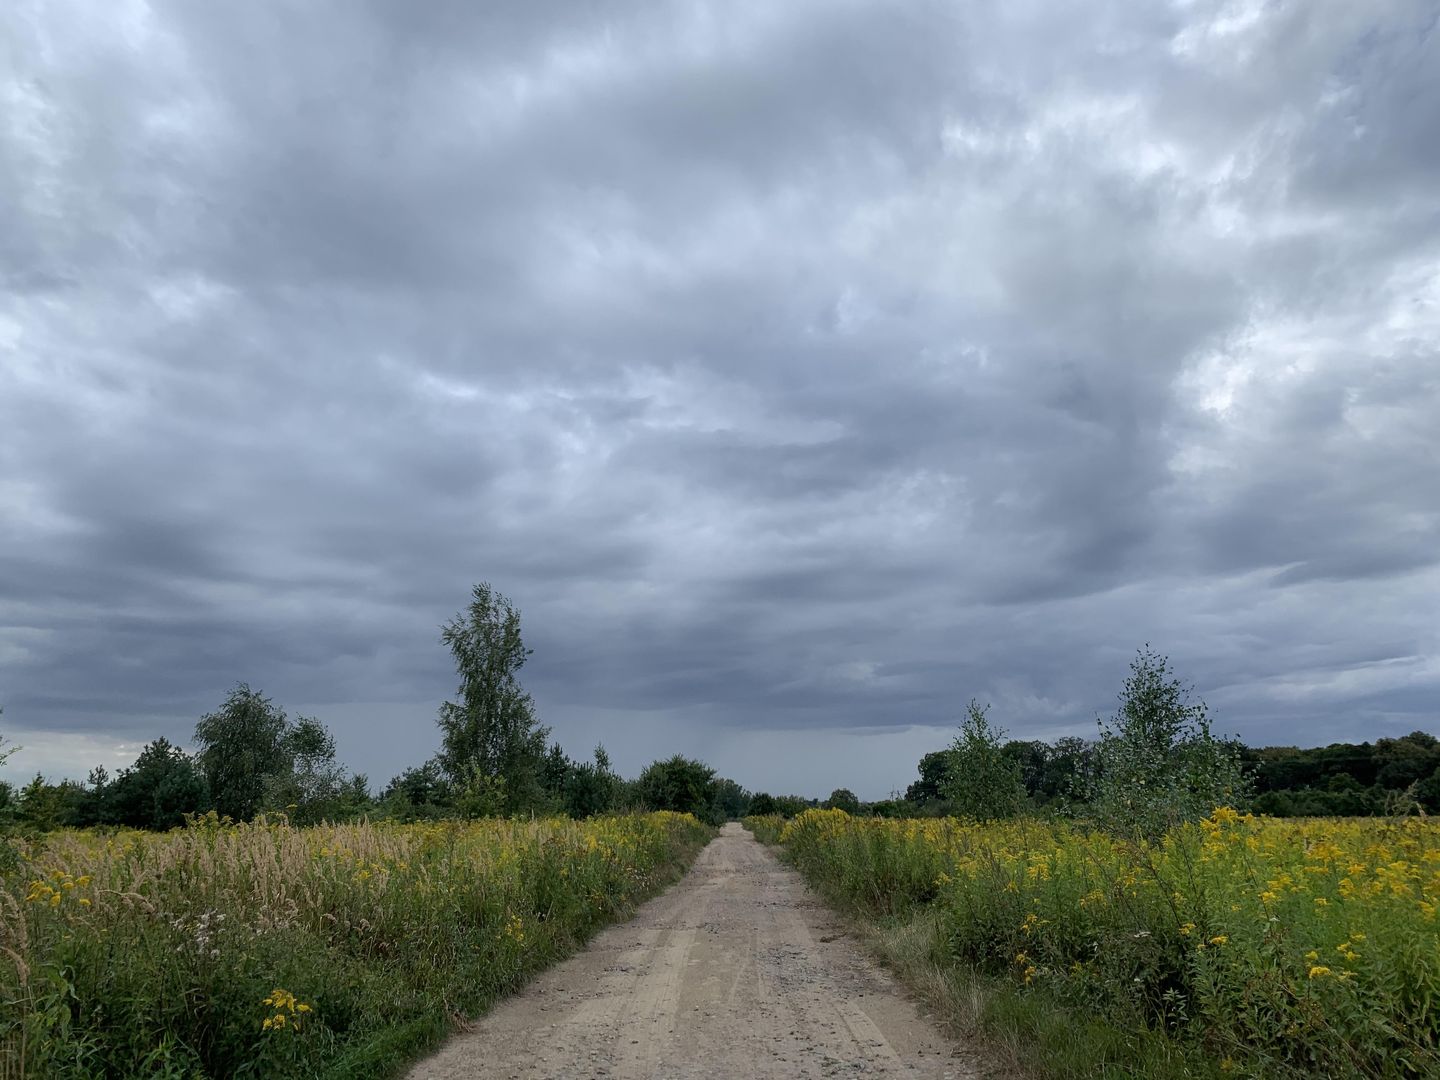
column 800, row 370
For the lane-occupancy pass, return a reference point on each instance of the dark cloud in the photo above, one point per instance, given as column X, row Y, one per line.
column 800, row 370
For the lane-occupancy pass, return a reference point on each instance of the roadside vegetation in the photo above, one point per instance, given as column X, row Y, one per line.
column 1148, row 925
column 1132, row 905
column 250, row 908
column 267, row 950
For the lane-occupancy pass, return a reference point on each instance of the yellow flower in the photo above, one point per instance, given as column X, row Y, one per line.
column 1186, row 928
column 1319, row 971
column 1219, row 939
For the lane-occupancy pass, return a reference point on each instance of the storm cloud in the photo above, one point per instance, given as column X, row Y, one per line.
column 799, row 370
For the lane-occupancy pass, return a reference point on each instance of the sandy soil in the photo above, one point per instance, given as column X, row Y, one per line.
column 737, row 971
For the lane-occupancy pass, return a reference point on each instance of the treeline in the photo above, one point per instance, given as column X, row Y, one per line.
column 1342, row 779
column 1160, row 741
column 495, row 759
column 166, row 785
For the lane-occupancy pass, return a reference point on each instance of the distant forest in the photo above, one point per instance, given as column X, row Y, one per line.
column 1342, row 779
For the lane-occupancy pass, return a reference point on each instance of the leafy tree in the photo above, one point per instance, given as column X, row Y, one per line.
column 1403, row 761
column 983, row 782
column 313, row 786
column 419, row 792
column 935, row 767
column 843, row 799
column 156, row 792
column 42, row 805
column 243, row 751
column 764, row 804
column 728, row 800
column 592, row 787
column 1158, row 762
column 678, row 783
column 492, row 730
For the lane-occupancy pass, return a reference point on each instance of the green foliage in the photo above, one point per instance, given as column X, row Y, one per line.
column 1287, row 949
column 314, row 787
column 420, row 792
column 728, row 801
column 843, row 799
column 592, row 787
column 983, row 782
column 492, row 730
column 1158, row 763
column 677, row 783
column 935, row 768
column 242, row 750
column 156, row 792
column 786, row 806
column 146, row 955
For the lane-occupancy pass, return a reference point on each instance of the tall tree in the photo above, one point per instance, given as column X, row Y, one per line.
column 983, row 782
column 313, row 786
column 154, row 793
column 243, row 748
column 491, row 732
column 1158, row 763
column 679, row 783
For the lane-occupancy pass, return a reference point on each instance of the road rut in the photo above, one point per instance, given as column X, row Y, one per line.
column 737, row 971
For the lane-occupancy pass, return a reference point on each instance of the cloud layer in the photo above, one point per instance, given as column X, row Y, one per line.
column 800, row 370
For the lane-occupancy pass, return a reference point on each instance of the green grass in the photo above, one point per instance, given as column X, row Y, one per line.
column 263, row 950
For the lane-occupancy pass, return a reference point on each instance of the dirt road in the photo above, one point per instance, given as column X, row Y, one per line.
column 737, row 971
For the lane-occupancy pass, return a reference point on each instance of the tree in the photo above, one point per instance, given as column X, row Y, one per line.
column 728, row 800
column 313, row 785
column 934, row 768
column 419, row 792
column 242, row 750
column 843, row 799
column 678, row 783
column 764, row 804
column 983, row 782
column 156, row 792
column 592, row 787
column 492, row 730
column 1158, row 763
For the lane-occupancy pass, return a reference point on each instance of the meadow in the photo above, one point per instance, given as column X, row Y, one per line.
column 260, row 949
column 1239, row 945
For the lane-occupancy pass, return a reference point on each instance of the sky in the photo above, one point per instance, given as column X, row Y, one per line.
column 800, row 371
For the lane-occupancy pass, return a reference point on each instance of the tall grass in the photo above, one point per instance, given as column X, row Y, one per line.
column 1277, row 948
column 265, row 950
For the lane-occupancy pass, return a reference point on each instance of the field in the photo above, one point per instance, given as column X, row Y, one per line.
column 265, row 950
column 1240, row 946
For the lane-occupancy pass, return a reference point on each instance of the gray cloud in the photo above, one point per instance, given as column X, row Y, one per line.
column 800, row 370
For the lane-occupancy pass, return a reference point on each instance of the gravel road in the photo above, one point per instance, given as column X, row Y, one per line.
column 737, row 971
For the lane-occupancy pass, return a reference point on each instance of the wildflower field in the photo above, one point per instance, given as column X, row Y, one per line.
column 264, row 950
column 1261, row 947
